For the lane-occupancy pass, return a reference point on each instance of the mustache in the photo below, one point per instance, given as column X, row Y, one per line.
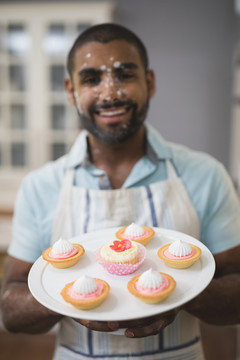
column 116, row 104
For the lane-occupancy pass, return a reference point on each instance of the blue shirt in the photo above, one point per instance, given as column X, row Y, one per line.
column 207, row 183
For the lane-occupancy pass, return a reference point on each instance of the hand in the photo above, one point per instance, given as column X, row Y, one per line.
column 134, row 328
column 150, row 326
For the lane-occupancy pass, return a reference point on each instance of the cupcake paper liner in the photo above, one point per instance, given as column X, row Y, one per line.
column 122, row 269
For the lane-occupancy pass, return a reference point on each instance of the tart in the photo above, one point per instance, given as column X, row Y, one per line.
column 179, row 254
column 152, row 286
column 85, row 293
column 134, row 232
column 63, row 254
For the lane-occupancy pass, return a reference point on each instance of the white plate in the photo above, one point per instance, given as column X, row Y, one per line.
column 46, row 282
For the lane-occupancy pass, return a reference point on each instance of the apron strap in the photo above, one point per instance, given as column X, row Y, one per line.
column 62, row 223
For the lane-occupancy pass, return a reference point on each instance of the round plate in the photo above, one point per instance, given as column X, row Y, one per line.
column 46, row 282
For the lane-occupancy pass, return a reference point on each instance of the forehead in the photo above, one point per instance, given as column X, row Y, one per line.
column 95, row 54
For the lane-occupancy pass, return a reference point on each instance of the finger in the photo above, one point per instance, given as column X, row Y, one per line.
column 113, row 325
column 98, row 325
column 148, row 329
column 140, row 322
column 94, row 325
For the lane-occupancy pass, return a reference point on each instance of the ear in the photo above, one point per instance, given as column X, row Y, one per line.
column 151, row 83
column 69, row 90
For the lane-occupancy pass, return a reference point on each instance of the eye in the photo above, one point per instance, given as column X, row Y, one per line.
column 91, row 80
column 125, row 75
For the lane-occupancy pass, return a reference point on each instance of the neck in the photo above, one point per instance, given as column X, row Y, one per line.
column 117, row 160
column 112, row 154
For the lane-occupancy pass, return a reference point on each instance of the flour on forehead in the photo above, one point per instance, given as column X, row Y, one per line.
column 116, row 64
column 83, row 65
column 88, row 55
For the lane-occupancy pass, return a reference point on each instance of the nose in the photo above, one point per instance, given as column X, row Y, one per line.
column 109, row 89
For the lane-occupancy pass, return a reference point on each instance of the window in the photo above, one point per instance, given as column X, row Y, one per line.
column 36, row 122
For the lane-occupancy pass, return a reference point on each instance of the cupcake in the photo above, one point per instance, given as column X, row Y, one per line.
column 120, row 252
column 134, row 232
column 85, row 293
column 151, row 286
column 121, row 257
column 179, row 254
column 63, row 254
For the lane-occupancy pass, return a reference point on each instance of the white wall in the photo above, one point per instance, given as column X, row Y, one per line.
column 191, row 46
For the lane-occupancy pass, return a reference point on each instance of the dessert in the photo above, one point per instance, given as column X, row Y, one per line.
column 86, row 292
column 120, row 252
column 134, row 232
column 63, row 254
column 179, row 254
column 121, row 257
column 151, row 286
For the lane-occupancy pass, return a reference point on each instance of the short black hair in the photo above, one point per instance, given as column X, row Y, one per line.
column 105, row 33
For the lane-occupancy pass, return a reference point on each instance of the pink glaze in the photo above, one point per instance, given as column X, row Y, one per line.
column 129, row 237
column 93, row 295
column 146, row 291
column 65, row 255
column 173, row 257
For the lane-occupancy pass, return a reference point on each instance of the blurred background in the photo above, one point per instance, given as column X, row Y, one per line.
column 193, row 46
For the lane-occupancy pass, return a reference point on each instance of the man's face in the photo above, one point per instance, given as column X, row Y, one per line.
column 110, row 89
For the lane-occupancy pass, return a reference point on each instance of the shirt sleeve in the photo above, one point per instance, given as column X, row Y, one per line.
column 221, row 221
column 25, row 244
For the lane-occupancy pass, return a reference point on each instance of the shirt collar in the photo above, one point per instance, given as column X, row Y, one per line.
column 157, row 149
column 79, row 151
column 158, row 145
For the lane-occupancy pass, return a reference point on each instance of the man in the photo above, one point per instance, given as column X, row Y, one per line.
column 119, row 171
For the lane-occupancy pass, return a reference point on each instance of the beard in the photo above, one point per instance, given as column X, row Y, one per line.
column 115, row 133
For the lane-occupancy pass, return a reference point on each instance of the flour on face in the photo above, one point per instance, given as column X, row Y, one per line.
column 116, row 64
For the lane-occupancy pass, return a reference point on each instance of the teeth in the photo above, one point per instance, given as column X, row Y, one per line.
column 112, row 113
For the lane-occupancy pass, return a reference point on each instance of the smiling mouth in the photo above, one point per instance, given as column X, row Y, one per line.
column 112, row 112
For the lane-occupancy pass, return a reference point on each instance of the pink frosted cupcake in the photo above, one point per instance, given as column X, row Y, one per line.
column 179, row 254
column 86, row 292
column 134, row 232
column 121, row 257
column 151, row 286
column 63, row 254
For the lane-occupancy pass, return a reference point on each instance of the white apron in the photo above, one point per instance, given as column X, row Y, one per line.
column 164, row 204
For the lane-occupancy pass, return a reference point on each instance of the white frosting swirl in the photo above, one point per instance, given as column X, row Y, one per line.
column 85, row 285
column 62, row 247
column 150, row 279
column 180, row 248
column 134, row 230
